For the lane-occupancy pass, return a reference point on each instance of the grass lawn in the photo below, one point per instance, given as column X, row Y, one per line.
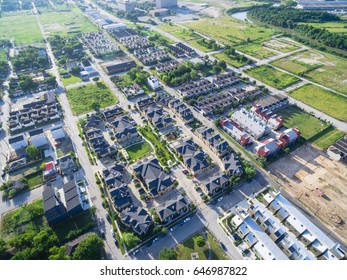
column 331, row 73
column 200, row 47
column 22, row 27
column 74, row 226
column 272, row 77
column 161, row 151
column 3, row 55
column 138, row 150
column 326, row 101
column 328, row 137
column 229, row 60
column 27, row 217
column 308, row 125
column 190, row 246
column 230, row 31
column 255, row 50
column 34, row 179
column 71, row 80
column 88, row 97
column 66, row 22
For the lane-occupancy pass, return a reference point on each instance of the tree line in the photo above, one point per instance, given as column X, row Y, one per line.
column 289, row 18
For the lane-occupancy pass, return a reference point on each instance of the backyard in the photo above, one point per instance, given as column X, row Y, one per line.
column 138, row 150
column 73, row 79
column 308, row 125
column 272, row 77
column 90, row 97
column 323, row 100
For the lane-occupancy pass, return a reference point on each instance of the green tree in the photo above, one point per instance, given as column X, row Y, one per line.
column 3, row 247
column 32, row 151
column 130, row 240
column 58, row 253
column 200, row 241
column 167, row 254
column 89, row 249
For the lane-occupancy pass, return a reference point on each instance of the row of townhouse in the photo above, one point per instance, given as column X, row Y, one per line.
column 99, row 44
column 145, row 102
column 121, row 33
column 137, row 219
column 195, row 89
column 152, row 55
column 34, row 114
column 186, row 49
column 166, row 67
column 235, row 131
column 193, row 157
column 176, row 51
column 226, row 80
column 313, row 238
column 132, row 91
column 271, row 146
column 181, row 110
column 135, row 42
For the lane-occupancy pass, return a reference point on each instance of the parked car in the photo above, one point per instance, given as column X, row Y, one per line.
column 108, row 218
column 102, row 234
column 135, row 252
column 223, row 246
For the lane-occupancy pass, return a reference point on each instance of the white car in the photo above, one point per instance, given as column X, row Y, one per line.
column 220, row 199
column 135, row 252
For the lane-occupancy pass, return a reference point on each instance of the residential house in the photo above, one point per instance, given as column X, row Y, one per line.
column 125, row 131
column 137, row 219
column 215, row 183
column 18, row 142
column 50, row 171
column 232, row 165
column 217, row 144
column 72, row 198
column 235, row 131
column 110, row 114
column 172, row 209
column 154, row 83
column 54, row 209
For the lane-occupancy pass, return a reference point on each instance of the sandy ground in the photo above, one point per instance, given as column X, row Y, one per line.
column 308, row 173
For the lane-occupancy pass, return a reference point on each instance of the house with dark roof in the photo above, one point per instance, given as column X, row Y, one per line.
column 54, row 209
column 18, row 142
column 145, row 102
column 158, row 118
column 137, row 219
column 217, row 144
column 124, row 130
column 66, row 165
column 172, row 209
column 116, row 68
column 93, row 121
column 194, row 159
column 215, row 183
column 72, row 198
column 232, row 165
column 153, row 176
column 111, row 114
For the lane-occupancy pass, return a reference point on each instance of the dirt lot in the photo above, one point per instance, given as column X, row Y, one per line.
column 306, row 169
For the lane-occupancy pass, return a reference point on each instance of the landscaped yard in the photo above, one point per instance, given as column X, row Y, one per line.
column 34, row 179
column 74, row 226
column 27, row 217
column 66, row 23
column 190, row 246
column 230, row 31
column 326, row 101
column 325, row 69
column 138, row 150
column 90, row 97
column 161, row 151
column 255, row 50
column 22, row 27
column 307, row 124
column 272, row 77
column 329, row 137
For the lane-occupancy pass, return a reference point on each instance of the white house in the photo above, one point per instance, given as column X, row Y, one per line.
column 153, row 82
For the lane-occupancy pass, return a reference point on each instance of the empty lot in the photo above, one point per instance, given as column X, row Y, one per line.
column 306, row 169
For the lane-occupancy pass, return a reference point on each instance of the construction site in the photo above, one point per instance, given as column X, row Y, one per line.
column 318, row 183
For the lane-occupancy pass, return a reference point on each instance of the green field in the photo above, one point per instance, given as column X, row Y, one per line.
column 229, row 60
column 66, row 23
column 328, row 137
column 27, row 217
column 331, row 73
column 308, row 125
column 323, row 100
column 138, row 150
column 338, row 26
column 272, row 77
column 34, row 179
column 255, row 50
column 230, row 31
column 22, row 27
column 3, row 55
column 90, row 97
column 179, row 32
column 190, row 246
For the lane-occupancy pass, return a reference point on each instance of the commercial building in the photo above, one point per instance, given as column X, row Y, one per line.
column 166, row 4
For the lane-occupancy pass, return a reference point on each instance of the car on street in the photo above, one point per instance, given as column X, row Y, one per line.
column 108, row 217
column 185, row 171
column 186, row 219
column 223, row 246
column 220, row 199
column 102, row 234
column 136, row 252
column 155, row 239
